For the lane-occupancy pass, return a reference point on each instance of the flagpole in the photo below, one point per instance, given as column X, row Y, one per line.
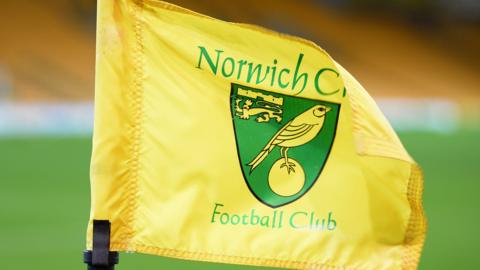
column 100, row 257
column 113, row 258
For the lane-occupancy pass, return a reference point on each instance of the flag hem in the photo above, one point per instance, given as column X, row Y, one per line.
column 221, row 258
column 137, row 131
column 417, row 224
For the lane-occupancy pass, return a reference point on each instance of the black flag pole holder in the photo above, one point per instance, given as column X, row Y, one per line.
column 100, row 257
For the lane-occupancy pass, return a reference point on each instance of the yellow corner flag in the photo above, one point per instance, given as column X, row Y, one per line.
column 231, row 143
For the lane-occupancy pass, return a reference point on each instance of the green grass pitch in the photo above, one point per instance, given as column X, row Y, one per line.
column 44, row 204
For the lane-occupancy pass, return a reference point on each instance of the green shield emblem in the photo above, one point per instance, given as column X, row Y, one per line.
column 283, row 142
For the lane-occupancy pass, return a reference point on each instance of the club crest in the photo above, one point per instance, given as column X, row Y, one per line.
column 283, row 142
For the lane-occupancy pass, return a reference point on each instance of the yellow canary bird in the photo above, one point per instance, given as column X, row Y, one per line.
column 298, row 131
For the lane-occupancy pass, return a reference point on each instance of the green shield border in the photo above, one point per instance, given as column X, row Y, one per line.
column 306, row 189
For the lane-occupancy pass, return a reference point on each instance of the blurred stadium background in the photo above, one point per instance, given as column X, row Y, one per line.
column 419, row 59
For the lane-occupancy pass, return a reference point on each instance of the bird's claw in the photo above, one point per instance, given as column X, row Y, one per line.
column 290, row 166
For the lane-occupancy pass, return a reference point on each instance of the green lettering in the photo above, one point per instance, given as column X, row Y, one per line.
column 258, row 70
column 292, row 219
column 331, row 222
column 265, row 221
column 317, row 79
column 280, row 82
column 215, row 211
column 241, row 63
column 244, row 219
column 254, row 219
column 274, row 70
column 297, row 78
column 222, row 220
column 204, row 53
column 281, row 220
column 232, row 67
column 235, row 219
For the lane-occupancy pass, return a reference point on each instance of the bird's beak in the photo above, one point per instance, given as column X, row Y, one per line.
column 328, row 109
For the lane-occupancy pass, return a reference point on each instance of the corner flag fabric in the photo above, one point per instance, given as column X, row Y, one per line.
column 231, row 143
